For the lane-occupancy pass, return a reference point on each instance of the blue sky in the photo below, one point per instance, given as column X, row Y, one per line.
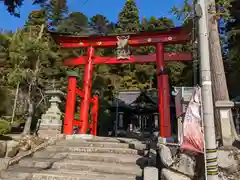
column 109, row 8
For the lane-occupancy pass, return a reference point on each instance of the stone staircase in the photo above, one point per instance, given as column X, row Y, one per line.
column 79, row 159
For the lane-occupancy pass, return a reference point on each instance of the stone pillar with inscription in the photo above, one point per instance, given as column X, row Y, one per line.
column 120, row 120
column 225, row 115
column 155, row 122
column 51, row 122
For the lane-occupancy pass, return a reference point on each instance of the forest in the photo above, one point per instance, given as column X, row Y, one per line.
column 31, row 62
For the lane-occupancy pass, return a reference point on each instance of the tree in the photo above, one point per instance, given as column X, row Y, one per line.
column 101, row 25
column 36, row 19
column 128, row 18
column 4, row 43
column 155, row 24
column 233, row 46
column 3, row 71
column 57, row 10
column 75, row 23
column 13, row 5
column 29, row 51
column 218, row 73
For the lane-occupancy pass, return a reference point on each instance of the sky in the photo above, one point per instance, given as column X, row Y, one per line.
column 108, row 8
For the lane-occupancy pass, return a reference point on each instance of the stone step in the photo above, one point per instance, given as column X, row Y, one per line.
column 94, row 166
column 23, row 173
column 79, row 137
column 167, row 174
column 119, row 142
column 93, row 144
column 102, row 139
column 113, row 139
column 104, row 157
column 60, row 148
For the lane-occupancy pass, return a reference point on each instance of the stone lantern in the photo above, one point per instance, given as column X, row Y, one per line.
column 51, row 122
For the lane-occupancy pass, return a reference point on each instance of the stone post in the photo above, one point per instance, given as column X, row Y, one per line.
column 156, row 120
column 150, row 173
column 225, row 115
column 120, row 120
column 180, row 120
column 51, row 122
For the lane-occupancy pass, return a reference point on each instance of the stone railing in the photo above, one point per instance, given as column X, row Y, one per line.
column 229, row 111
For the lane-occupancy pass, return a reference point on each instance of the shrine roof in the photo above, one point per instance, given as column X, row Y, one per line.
column 130, row 97
column 126, row 97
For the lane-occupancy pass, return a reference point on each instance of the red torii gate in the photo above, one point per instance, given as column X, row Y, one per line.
column 158, row 39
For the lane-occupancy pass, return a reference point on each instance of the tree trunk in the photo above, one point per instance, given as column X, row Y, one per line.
column 28, row 123
column 15, row 103
column 220, row 89
column 32, row 90
column 31, row 94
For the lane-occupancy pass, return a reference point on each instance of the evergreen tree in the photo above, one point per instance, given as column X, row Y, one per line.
column 75, row 23
column 57, row 10
column 4, row 42
column 13, row 5
column 233, row 63
column 36, row 19
column 30, row 52
column 155, row 24
column 4, row 96
column 128, row 18
column 100, row 24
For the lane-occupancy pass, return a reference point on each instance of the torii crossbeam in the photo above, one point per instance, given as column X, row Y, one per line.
column 151, row 58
